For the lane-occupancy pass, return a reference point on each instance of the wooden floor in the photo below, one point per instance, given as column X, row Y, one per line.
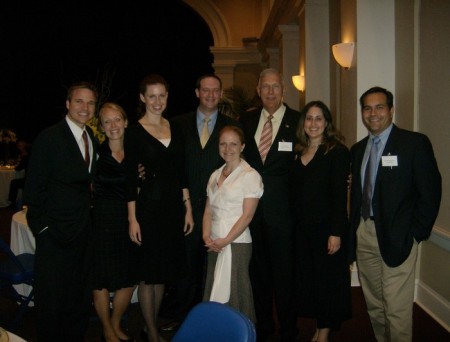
column 357, row 329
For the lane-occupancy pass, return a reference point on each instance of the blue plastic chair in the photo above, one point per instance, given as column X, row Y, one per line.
column 15, row 270
column 215, row 322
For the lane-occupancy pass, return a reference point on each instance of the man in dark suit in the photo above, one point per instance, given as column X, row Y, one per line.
column 271, row 267
column 394, row 205
column 200, row 163
column 58, row 195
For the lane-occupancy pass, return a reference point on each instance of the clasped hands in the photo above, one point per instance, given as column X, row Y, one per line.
column 215, row 245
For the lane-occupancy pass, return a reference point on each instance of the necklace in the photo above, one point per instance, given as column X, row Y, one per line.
column 226, row 174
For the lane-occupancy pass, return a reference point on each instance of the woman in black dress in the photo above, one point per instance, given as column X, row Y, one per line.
column 319, row 202
column 111, row 246
column 159, row 209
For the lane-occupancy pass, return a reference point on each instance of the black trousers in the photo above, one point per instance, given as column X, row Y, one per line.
column 272, row 277
column 62, row 295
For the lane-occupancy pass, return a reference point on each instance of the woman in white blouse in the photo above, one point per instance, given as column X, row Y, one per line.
column 233, row 194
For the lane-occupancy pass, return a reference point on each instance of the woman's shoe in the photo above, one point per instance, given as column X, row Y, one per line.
column 129, row 339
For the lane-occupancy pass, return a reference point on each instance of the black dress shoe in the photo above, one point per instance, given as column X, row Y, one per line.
column 169, row 327
column 144, row 335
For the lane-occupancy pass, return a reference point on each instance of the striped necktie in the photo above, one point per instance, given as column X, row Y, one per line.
column 266, row 138
column 87, row 157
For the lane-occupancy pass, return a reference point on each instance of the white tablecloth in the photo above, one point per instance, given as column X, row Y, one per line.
column 6, row 175
column 22, row 241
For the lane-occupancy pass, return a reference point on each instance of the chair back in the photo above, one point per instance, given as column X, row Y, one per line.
column 212, row 321
column 15, row 270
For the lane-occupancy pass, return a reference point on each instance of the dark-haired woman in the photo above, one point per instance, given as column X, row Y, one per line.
column 159, row 208
column 319, row 202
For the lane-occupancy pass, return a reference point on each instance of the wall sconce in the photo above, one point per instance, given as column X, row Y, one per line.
column 343, row 54
column 299, row 82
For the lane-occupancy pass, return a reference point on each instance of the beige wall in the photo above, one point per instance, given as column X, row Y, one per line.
column 405, row 58
column 434, row 121
column 434, row 91
column 244, row 18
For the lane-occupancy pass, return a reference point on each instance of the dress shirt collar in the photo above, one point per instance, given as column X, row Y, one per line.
column 76, row 130
column 211, row 123
column 383, row 135
column 277, row 116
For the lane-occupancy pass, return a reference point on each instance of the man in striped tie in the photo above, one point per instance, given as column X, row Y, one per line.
column 270, row 137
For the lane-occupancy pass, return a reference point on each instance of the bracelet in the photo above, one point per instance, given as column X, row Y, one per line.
column 186, row 199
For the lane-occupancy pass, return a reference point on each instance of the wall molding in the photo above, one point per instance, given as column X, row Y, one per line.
column 433, row 304
column 440, row 237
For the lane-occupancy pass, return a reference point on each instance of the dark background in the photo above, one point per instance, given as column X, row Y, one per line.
column 46, row 47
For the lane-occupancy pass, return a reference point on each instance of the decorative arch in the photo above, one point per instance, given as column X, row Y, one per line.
column 214, row 19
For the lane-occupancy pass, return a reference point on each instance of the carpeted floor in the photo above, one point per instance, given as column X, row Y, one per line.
column 355, row 330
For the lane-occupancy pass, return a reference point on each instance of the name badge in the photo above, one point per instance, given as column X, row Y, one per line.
column 285, row 146
column 389, row 161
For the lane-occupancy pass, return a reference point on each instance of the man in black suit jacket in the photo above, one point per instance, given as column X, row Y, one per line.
column 200, row 163
column 271, row 266
column 58, row 195
column 401, row 209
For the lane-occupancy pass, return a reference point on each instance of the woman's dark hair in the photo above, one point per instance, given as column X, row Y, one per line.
column 148, row 80
column 331, row 135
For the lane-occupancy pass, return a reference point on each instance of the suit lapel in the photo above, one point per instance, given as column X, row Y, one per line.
column 193, row 127
column 73, row 148
column 284, row 134
column 389, row 149
column 359, row 155
column 94, row 149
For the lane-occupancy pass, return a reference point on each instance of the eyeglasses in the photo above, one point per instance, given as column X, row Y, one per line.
column 274, row 87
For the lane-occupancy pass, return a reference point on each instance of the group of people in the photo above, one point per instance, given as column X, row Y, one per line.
column 252, row 213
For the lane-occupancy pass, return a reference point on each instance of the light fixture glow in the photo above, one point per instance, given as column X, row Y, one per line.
column 343, row 54
column 299, row 82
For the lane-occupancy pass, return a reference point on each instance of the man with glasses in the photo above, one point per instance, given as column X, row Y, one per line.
column 270, row 138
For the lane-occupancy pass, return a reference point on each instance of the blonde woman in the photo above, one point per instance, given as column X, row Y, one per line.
column 111, row 246
column 233, row 192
